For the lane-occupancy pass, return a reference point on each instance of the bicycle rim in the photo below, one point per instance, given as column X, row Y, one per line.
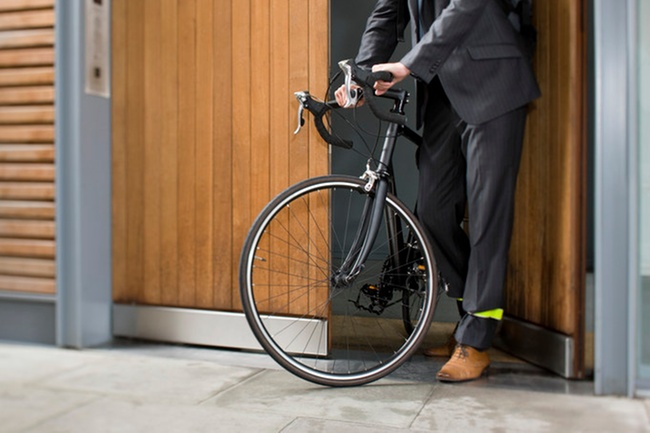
column 336, row 336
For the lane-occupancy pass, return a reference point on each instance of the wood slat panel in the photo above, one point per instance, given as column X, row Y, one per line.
column 26, row 153
column 547, row 257
column 222, row 165
column 135, row 139
column 26, row 191
column 27, row 134
column 26, row 172
column 260, row 63
column 25, row 19
column 27, row 38
column 318, row 68
column 27, row 248
column 187, row 94
column 299, row 147
column 280, row 117
column 118, row 145
column 318, row 154
column 27, row 267
column 193, row 164
column 27, row 57
column 13, row 5
column 26, row 209
column 241, row 126
column 30, row 114
column 206, row 66
column 169, row 148
column 27, row 229
column 26, row 95
column 27, row 76
column 27, row 284
column 151, row 293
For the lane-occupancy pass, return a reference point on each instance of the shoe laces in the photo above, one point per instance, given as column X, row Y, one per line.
column 461, row 352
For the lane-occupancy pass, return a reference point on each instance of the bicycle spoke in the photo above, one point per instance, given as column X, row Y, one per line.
column 322, row 329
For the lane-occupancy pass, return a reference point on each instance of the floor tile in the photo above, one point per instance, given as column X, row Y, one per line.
column 27, row 363
column 145, row 378
column 22, row 407
column 115, row 416
column 386, row 402
column 454, row 408
column 314, row 425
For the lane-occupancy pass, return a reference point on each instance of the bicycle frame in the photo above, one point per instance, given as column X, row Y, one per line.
column 381, row 182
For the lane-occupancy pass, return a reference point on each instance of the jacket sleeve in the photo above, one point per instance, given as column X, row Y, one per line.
column 383, row 29
column 446, row 33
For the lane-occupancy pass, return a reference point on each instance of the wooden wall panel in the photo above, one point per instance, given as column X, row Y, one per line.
column 202, row 118
column 547, row 258
column 27, row 217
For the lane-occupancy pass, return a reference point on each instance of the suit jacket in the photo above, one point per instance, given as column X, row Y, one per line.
column 471, row 46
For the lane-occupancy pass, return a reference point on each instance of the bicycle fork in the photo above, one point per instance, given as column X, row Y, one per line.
column 377, row 186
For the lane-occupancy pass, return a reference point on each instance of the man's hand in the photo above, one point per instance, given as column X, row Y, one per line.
column 399, row 72
column 342, row 97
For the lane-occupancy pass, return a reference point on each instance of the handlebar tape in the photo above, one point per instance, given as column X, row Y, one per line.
column 388, row 116
column 379, row 76
column 318, row 110
column 368, row 79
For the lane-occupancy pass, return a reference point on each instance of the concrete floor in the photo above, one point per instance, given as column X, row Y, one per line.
column 140, row 387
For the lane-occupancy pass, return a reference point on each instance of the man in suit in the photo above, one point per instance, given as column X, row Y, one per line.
column 474, row 82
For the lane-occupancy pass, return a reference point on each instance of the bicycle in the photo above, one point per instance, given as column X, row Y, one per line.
column 337, row 277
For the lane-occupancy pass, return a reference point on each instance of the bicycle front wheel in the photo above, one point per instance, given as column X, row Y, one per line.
column 323, row 331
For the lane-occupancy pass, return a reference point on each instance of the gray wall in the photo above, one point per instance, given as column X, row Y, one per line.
column 347, row 28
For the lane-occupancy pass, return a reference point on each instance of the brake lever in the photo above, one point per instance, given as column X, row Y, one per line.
column 353, row 95
column 302, row 98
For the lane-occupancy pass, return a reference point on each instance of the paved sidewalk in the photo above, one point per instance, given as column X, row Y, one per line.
column 137, row 387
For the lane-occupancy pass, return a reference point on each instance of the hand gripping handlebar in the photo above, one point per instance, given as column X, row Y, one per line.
column 353, row 74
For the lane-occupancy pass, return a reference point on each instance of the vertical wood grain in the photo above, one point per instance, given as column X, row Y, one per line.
column 318, row 151
column 203, row 146
column 169, row 146
column 280, row 118
column 225, row 280
column 547, row 257
column 187, row 94
column 205, row 72
column 134, row 142
column 119, row 133
column 242, row 106
column 152, row 157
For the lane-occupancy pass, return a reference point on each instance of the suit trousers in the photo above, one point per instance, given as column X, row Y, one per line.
column 476, row 166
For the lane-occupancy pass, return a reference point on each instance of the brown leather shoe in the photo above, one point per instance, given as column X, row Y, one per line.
column 444, row 350
column 465, row 364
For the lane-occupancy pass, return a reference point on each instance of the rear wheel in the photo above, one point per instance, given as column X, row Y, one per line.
column 332, row 334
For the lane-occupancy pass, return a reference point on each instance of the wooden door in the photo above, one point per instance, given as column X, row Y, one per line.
column 202, row 118
column 27, row 228
column 546, row 274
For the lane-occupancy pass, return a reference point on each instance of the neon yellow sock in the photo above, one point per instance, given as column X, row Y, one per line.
column 496, row 314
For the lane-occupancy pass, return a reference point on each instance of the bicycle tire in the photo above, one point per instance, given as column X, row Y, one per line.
column 312, row 328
